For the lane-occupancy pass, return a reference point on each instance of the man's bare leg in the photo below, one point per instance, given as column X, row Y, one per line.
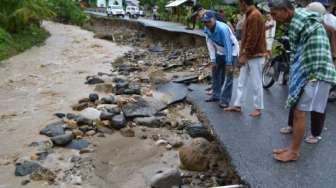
column 292, row 153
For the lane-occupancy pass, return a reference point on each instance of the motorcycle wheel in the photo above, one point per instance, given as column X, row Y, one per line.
column 268, row 75
column 332, row 95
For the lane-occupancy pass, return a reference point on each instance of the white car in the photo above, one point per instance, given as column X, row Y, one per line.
column 115, row 10
column 132, row 11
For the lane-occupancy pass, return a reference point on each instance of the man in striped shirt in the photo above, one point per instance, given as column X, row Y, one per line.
column 311, row 72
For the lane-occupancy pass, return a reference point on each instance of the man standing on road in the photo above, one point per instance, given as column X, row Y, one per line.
column 220, row 46
column 311, row 72
column 251, row 58
column 270, row 33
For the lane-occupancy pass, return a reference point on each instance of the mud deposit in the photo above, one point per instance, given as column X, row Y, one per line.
column 110, row 114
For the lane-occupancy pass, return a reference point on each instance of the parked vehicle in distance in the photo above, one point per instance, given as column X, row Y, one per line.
column 115, row 10
column 132, row 11
column 141, row 12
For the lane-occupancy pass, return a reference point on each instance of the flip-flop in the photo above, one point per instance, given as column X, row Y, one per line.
column 278, row 151
column 255, row 114
column 296, row 157
column 286, row 130
column 312, row 139
column 232, row 109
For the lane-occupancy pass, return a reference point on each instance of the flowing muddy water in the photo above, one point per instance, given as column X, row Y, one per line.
column 42, row 81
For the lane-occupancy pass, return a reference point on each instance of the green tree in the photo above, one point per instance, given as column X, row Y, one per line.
column 68, row 11
column 16, row 15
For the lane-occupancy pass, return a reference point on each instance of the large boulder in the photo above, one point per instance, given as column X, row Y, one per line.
column 166, row 179
column 54, row 129
column 194, row 156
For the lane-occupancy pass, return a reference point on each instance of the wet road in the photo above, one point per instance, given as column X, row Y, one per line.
column 249, row 143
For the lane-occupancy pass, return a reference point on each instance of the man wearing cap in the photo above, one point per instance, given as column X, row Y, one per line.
column 220, row 46
column 251, row 57
column 198, row 13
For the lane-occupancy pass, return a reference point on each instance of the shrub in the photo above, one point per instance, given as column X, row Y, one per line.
column 68, row 11
column 16, row 15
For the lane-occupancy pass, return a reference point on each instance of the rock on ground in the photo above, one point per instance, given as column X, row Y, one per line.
column 26, row 168
column 194, row 156
column 62, row 140
column 78, row 144
column 198, row 130
column 53, row 129
column 166, row 179
column 118, row 121
column 152, row 122
column 90, row 113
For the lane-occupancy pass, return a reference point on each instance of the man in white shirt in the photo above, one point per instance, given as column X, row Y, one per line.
column 270, row 33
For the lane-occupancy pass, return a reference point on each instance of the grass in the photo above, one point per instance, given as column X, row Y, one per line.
column 13, row 44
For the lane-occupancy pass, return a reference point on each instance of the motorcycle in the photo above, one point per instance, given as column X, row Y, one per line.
column 277, row 68
column 332, row 95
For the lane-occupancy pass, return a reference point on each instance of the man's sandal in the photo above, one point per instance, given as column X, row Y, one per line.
column 278, row 151
column 286, row 130
column 312, row 139
column 286, row 156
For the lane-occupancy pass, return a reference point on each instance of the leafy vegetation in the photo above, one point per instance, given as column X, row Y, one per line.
column 20, row 22
column 16, row 15
column 68, row 11
column 12, row 44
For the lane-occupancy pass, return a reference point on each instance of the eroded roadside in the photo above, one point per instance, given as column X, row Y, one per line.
column 130, row 151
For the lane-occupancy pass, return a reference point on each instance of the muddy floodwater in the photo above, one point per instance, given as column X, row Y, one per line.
column 42, row 81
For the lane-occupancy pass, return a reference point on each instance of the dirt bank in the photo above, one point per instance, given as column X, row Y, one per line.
column 42, row 81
